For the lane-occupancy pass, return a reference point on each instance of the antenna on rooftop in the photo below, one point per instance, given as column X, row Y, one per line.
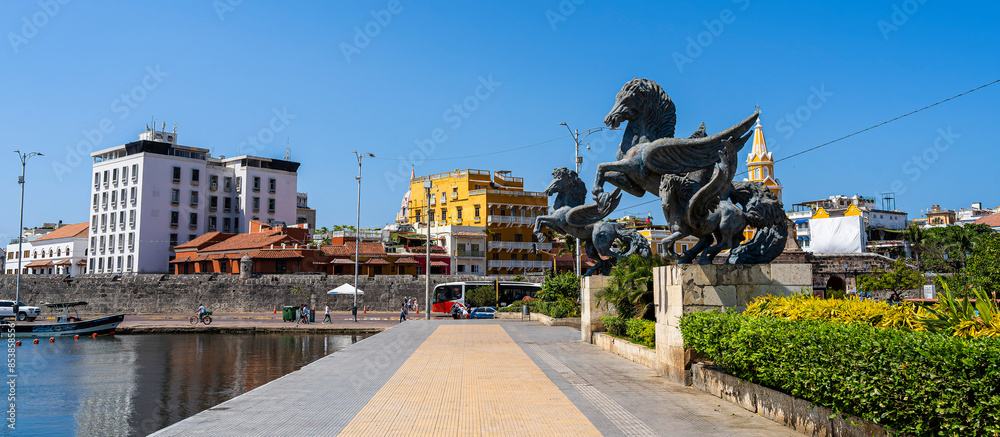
column 288, row 151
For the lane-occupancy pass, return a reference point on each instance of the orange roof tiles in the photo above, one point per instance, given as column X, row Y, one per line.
column 275, row 254
column 251, row 241
column 407, row 260
column 366, row 248
column 68, row 231
column 204, row 240
column 377, row 262
column 992, row 220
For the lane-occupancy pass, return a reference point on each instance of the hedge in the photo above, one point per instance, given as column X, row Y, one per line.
column 809, row 307
column 638, row 331
column 912, row 382
column 562, row 308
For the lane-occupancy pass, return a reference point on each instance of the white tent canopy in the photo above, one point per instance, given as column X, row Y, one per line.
column 345, row 289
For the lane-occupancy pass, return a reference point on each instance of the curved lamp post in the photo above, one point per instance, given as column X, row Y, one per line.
column 357, row 230
column 24, row 157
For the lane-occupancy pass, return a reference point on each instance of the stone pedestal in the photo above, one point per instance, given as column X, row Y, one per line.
column 590, row 309
column 685, row 288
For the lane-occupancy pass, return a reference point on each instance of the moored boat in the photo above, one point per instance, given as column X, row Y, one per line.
column 69, row 324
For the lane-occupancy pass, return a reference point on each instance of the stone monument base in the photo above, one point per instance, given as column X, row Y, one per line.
column 680, row 289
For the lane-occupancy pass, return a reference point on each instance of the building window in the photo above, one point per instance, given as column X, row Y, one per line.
column 131, row 218
column 128, row 267
column 131, row 242
column 461, row 268
column 444, row 215
column 174, row 218
column 104, row 221
column 103, row 240
column 270, row 206
column 213, row 203
column 195, row 176
column 272, row 185
column 114, row 198
column 211, row 223
column 213, row 182
column 124, row 174
column 97, row 201
column 135, row 172
column 192, row 237
column 122, row 198
column 104, row 200
column 193, row 220
column 418, row 216
column 430, row 216
column 496, row 257
column 121, row 219
column 132, row 194
column 236, row 226
column 496, row 237
column 227, row 185
column 93, row 243
column 194, row 199
column 256, row 204
column 518, row 238
column 173, row 240
column 458, row 213
column 97, row 180
column 177, row 175
column 226, row 222
column 227, row 204
column 114, row 176
column 175, row 196
column 121, row 243
column 256, row 184
column 239, row 184
column 475, row 268
column 105, row 179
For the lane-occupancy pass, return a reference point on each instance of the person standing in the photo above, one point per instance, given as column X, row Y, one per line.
column 354, row 312
column 326, row 316
column 402, row 313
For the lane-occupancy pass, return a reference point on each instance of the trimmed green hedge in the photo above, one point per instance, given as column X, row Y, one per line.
column 562, row 308
column 638, row 331
column 912, row 382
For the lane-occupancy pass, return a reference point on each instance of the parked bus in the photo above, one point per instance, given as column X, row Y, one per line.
column 445, row 295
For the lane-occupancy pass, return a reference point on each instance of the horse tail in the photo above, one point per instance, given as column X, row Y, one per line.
column 633, row 243
column 764, row 212
column 706, row 199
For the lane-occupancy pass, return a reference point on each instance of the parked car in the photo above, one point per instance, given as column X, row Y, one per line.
column 24, row 312
column 483, row 313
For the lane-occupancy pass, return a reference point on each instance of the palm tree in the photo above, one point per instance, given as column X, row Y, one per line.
column 917, row 238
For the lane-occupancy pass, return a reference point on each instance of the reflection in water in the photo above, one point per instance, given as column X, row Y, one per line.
column 135, row 385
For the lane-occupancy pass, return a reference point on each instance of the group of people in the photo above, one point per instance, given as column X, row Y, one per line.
column 302, row 315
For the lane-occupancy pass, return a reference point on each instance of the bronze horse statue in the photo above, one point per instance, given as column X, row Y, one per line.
column 571, row 217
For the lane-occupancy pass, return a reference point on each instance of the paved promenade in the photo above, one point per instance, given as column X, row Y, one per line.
column 464, row 377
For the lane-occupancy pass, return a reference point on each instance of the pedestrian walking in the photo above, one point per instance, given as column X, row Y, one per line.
column 402, row 313
column 354, row 312
column 326, row 317
column 298, row 316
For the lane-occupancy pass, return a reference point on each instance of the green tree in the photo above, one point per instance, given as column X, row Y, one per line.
column 915, row 235
column 899, row 277
column 983, row 267
column 482, row 296
column 630, row 288
column 562, row 286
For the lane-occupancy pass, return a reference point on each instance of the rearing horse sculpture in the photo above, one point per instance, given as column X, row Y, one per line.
column 571, row 217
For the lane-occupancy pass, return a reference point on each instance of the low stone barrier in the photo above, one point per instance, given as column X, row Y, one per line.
column 790, row 411
column 636, row 353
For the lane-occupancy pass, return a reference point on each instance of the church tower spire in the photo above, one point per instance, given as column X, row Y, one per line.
column 760, row 162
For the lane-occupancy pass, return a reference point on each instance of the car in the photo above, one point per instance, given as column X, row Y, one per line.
column 24, row 312
column 483, row 313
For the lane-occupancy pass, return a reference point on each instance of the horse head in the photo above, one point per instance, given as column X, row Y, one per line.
column 647, row 108
column 570, row 190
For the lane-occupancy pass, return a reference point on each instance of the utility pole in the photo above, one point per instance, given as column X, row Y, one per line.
column 427, row 248
column 577, row 160
column 24, row 157
column 357, row 230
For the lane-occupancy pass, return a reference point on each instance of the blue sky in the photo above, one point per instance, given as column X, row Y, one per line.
column 515, row 69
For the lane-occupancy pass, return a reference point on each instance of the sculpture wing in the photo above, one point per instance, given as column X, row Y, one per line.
column 591, row 213
column 682, row 155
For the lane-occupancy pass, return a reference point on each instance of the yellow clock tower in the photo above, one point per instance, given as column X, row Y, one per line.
column 760, row 163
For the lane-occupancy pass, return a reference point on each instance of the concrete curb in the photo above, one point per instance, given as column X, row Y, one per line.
column 636, row 353
column 795, row 413
column 244, row 330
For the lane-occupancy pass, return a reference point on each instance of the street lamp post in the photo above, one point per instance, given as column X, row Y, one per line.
column 427, row 249
column 24, row 157
column 357, row 231
column 577, row 160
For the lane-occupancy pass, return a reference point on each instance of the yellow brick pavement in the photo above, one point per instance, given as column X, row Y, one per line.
column 469, row 381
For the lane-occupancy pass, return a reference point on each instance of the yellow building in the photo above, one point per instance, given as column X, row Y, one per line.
column 760, row 163
column 493, row 201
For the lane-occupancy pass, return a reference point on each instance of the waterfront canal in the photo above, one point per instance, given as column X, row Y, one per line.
column 137, row 384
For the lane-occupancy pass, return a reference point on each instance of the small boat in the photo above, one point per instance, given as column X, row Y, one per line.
column 69, row 324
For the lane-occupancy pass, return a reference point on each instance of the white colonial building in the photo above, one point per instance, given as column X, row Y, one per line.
column 152, row 194
column 60, row 252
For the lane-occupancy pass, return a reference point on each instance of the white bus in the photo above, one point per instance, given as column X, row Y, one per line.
column 445, row 295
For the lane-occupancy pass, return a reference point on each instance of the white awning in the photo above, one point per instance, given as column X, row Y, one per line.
column 344, row 289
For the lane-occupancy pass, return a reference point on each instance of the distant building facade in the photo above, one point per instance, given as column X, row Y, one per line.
column 152, row 194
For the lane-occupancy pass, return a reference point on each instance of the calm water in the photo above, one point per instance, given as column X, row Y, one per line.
column 135, row 385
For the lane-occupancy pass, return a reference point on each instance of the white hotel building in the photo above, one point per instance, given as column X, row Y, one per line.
column 152, row 194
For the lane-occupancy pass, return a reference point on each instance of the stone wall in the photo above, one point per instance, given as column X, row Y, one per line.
column 144, row 294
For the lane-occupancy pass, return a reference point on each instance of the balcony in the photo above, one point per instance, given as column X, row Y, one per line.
column 454, row 196
column 433, row 201
column 470, row 253
column 519, row 264
column 517, row 245
column 509, row 220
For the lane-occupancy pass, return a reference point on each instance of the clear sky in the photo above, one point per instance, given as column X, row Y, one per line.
column 385, row 77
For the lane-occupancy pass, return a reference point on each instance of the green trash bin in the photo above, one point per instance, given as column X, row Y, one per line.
column 288, row 313
column 312, row 316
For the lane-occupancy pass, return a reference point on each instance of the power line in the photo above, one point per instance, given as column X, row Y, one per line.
column 488, row 153
column 862, row 130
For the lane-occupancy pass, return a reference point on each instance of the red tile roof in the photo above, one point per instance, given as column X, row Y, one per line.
column 366, row 248
column 204, row 240
column 68, row 231
column 342, row 261
column 470, row 234
column 992, row 221
column 407, row 260
column 251, row 242
column 275, row 254
column 39, row 263
column 439, row 264
column 377, row 261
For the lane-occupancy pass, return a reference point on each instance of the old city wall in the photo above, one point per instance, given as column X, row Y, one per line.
column 146, row 294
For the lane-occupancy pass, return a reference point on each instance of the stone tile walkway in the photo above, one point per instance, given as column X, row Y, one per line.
column 446, row 377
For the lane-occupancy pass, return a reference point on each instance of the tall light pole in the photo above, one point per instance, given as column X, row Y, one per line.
column 577, row 160
column 357, row 230
column 24, row 157
column 427, row 249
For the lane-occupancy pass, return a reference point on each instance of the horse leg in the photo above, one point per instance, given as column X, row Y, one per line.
column 618, row 169
column 691, row 253
column 669, row 243
column 539, row 222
